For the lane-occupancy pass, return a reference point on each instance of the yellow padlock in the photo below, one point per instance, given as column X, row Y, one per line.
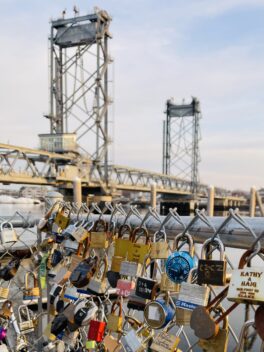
column 32, row 292
column 114, row 322
column 122, row 244
column 99, row 235
column 137, row 251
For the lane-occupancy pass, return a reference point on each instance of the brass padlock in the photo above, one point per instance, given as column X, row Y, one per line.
column 25, row 323
column 159, row 248
column 4, row 291
column 114, row 322
column 167, row 285
column 212, row 272
column 99, row 235
column 7, row 310
column 165, row 341
column 122, row 243
column 218, row 343
column 32, row 292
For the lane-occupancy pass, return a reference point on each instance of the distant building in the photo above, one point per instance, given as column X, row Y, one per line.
column 33, row 192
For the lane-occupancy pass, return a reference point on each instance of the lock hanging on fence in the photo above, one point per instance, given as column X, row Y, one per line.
column 8, row 233
column 25, row 322
column 212, row 272
column 179, row 263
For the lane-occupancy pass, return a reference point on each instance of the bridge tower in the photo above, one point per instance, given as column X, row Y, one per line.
column 79, row 87
column 181, row 136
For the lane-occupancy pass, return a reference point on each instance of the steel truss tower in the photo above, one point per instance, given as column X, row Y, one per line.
column 79, row 98
column 181, row 136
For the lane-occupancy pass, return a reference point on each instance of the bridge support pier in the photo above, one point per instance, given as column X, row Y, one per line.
column 185, row 206
column 210, row 201
column 77, row 191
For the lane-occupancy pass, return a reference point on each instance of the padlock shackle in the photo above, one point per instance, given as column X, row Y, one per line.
column 141, row 231
column 100, row 222
column 247, row 256
column 115, row 306
column 188, row 239
column 219, row 244
column 145, row 266
column 104, row 261
column 35, row 280
column 6, row 222
column 123, row 229
column 162, row 232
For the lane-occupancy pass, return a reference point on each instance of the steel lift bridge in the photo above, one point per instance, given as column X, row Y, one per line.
column 77, row 144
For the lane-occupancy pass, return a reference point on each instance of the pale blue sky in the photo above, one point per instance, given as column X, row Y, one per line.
column 206, row 48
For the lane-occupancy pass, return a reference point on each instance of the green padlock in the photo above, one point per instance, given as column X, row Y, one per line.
column 90, row 344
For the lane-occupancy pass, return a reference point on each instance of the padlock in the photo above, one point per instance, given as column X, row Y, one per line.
column 62, row 218
column 116, row 263
column 137, row 251
column 84, row 311
column 80, row 232
column 8, row 233
column 131, row 269
column 3, row 331
column 71, row 246
column 218, row 343
column 4, row 291
column 58, row 324
column 167, row 285
column 54, row 292
column 9, row 271
column 110, row 344
column 203, row 324
column 113, row 278
column 25, row 323
column 81, row 275
column 99, row 238
column 121, row 243
column 192, row 295
column 179, row 263
column 247, row 284
column 3, row 348
column 145, row 285
column 70, row 292
column 97, row 327
column 164, row 341
column 136, row 303
column 32, row 292
column 212, row 272
column 160, row 311
column 6, row 310
column 114, row 322
column 90, row 345
column 21, row 344
column 133, row 342
column 98, row 282
column 159, row 248
column 124, row 287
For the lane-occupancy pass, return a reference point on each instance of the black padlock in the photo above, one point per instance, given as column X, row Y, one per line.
column 82, row 274
column 56, row 258
column 58, row 324
column 112, row 278
column 9, row 271
column 80, row 315
column 54, row 292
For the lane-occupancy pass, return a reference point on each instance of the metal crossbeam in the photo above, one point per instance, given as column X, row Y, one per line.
column 20, row 165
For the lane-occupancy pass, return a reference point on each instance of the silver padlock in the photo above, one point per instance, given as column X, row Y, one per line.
column 130, row 268
column 132, row 342
column 3, row 348
column 8, row 233
column 25, row 323
column 71, row 246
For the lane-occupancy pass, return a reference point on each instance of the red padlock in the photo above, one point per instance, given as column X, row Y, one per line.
column 97, row 327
